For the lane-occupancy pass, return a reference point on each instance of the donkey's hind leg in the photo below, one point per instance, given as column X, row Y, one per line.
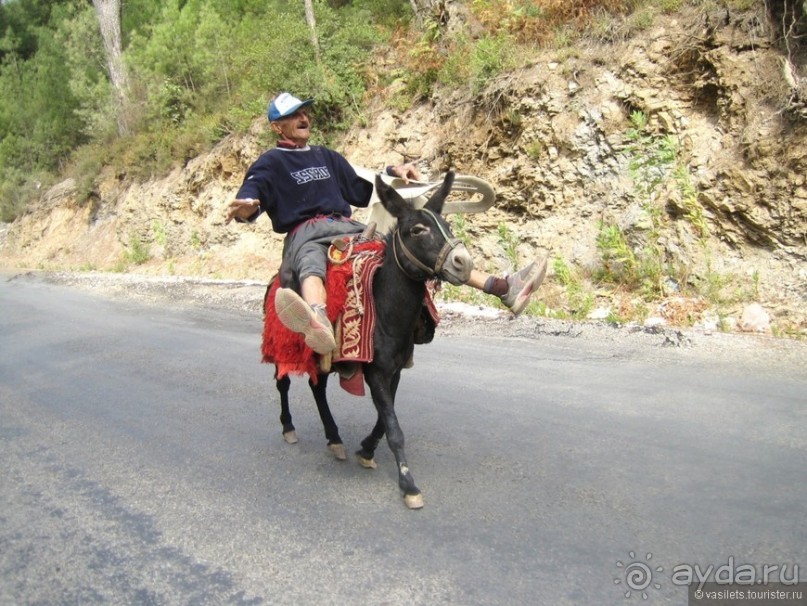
column 331, row 430
column 289, row 434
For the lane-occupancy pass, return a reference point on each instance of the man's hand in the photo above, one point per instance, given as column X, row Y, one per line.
column 241, row 210
column 406, row 172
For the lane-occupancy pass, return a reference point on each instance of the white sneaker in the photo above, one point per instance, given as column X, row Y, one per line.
column 522, row 284
column 298, row 316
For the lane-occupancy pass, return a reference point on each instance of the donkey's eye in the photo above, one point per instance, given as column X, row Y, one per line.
column 419, row 230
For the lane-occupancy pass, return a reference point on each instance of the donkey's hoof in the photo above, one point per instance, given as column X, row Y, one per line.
column 290, row 437
column 367, row 463
column 413, row 501
column 338, row 451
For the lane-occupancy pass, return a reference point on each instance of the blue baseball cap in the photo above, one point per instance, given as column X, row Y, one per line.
column 284, row 105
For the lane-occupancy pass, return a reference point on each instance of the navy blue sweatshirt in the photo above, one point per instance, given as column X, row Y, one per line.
column 298, row 184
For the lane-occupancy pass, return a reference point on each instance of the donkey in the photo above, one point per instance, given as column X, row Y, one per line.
column 421, row 247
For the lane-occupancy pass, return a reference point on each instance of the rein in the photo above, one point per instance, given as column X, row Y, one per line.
column 398, row 243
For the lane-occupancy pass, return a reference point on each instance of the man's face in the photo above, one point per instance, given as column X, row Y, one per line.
column 296, row 127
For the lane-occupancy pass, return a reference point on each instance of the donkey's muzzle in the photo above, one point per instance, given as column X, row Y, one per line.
column 457, row 266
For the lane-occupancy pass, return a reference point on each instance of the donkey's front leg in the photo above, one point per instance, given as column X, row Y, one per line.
column 383, row 391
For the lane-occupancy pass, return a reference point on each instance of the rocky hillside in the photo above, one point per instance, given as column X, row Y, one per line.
column 665, row 175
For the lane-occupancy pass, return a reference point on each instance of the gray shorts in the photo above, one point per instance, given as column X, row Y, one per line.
column 305, row 249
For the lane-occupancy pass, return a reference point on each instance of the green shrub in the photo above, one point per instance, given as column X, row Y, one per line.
column 642, row 270
column 459, row 227
column 580, row 301
column 15, row 194
column 652, row 156
column 137, row 251
column 86, row 165
column 693, row 209
column 509, row 243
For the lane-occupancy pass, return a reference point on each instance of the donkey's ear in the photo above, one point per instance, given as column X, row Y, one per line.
column 391, row 199
column 435, row 203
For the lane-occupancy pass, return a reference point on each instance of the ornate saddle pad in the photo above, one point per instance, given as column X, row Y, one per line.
column 351, row 310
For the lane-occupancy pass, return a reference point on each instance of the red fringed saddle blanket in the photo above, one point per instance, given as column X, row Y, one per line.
column 351, row 310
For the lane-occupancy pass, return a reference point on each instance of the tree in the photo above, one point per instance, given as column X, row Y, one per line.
column 312, row 25
column 109, row 14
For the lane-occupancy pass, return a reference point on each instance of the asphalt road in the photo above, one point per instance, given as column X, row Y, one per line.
column 142, row 463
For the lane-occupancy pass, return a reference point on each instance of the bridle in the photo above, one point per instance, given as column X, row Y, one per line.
column 398, row 245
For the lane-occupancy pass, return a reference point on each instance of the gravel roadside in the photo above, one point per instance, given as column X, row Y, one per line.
column 456, row 319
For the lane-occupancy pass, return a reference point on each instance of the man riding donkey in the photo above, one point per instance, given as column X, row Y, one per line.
column 308, row 191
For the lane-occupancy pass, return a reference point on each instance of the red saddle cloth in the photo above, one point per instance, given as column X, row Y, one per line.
column 351, row 310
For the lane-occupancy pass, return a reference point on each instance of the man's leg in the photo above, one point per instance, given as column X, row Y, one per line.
column 313, row 291
column 307, row 255
column 306, row 314
column 514, row 290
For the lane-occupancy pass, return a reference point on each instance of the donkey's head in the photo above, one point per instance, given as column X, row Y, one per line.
column 422, row 242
